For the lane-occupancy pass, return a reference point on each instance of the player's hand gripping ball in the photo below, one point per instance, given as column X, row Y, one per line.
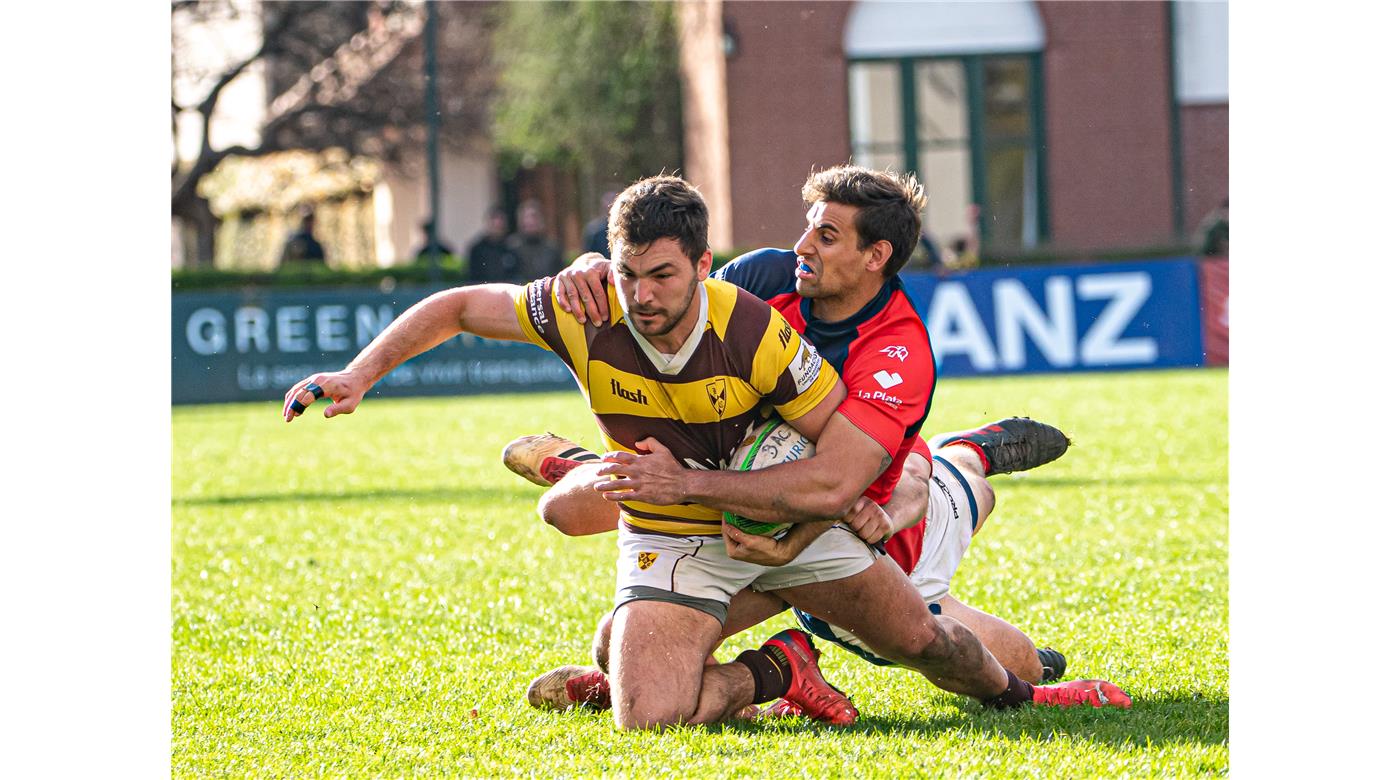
column 767, row 443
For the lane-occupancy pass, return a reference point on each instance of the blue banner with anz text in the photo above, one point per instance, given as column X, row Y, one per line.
column 252, row 346
column 1062, row 318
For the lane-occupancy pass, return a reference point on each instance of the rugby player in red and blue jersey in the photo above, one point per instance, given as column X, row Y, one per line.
column 838, row 286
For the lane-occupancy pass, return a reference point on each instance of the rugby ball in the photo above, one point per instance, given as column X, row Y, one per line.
column 767, row 443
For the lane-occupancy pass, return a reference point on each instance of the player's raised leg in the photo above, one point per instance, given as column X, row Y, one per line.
column 569, row 470
column 574, row 508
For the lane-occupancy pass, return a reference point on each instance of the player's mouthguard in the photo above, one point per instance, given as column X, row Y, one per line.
column 804, row 268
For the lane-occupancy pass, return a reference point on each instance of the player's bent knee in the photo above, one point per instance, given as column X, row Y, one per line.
column 556, row 513
column 575, row 512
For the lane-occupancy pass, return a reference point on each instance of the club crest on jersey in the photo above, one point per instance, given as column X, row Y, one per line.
column 898, row 353
column 645, row 560
column 718, row 395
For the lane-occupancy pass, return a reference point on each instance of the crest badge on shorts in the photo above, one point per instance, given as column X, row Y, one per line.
column 645, row 560
column 717, row 393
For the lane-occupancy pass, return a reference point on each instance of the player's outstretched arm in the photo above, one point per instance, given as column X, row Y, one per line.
column 486, row 310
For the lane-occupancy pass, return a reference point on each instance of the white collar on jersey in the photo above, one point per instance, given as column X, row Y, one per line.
column 672, row 364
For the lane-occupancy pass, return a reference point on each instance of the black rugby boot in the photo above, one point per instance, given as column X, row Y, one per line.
column 1013, row 444
column 1052, row 664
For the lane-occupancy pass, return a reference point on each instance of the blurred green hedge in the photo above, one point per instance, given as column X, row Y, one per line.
column 416, row 273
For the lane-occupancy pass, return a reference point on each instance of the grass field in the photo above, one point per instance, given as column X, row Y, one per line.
column 370, row 595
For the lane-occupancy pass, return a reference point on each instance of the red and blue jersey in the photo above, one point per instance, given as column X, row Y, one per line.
column 882, row 353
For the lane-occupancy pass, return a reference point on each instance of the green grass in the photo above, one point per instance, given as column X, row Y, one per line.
column 369, row 596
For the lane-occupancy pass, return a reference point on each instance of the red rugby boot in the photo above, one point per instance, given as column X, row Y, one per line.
column 780, row 708
column 1095, row 693
column 544, row 458
column 810, row 692
column 570, row 686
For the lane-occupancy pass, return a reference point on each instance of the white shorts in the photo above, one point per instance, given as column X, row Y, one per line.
column 952, row 510
column 695, row 570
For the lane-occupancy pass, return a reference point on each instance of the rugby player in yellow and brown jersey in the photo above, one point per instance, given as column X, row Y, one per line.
column 685, row 366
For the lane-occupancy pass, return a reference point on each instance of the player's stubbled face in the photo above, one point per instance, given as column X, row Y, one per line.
column 657, row 286
column 829, row 260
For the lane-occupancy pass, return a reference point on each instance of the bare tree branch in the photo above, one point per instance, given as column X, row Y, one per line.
column 341, row 75
column 269, row 41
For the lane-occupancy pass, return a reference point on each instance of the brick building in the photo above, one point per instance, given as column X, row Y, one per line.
column 1076, row 126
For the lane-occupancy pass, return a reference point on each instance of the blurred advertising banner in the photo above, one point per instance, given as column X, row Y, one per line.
column 252, row 346
column 1063, row 318
column 1215, row 310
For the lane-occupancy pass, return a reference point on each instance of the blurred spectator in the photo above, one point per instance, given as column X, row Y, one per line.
column 538, row 255
column 595, row 233
column 926, row 256
column 488, row 257
column 431, row 243
column 963, row 253
column 302, row 246
column 1214, row 232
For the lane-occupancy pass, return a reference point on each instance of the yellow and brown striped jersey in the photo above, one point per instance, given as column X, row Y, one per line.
column 743, row 361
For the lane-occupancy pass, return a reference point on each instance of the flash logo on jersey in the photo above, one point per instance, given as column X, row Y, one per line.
column 898, row 353
column 645, row 560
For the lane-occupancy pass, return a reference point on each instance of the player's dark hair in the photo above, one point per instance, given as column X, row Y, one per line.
column 655, row 208
column 891, row 206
